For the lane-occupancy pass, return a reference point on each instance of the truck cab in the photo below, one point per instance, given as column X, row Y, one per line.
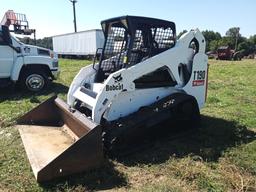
column 31, row 67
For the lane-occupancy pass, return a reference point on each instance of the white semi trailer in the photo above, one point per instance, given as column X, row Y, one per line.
column 84, row 43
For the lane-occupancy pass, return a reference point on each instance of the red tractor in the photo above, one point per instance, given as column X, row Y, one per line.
column 226, row 53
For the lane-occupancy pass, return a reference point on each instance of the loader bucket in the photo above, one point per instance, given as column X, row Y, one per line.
column 59, row 141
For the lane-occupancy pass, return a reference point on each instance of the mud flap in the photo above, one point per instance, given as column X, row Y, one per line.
column 59, row 141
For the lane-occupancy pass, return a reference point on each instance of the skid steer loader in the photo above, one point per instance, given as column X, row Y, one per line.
column 144, row 77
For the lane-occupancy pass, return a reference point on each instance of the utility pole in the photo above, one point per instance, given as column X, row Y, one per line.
column 237, row 35
column 74, row 11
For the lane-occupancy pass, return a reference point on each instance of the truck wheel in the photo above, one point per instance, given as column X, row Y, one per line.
column 34, row 80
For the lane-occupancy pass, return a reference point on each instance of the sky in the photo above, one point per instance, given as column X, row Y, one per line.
column 54, row 17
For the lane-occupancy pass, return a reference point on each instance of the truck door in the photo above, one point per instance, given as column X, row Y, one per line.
column 6, row 58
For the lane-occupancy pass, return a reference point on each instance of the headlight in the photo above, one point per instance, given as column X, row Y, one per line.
column 55, row 64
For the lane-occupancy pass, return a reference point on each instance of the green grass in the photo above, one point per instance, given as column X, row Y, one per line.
column 219, row 156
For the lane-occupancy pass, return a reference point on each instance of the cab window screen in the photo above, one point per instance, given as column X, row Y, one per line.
column 114, row 48
column 164, row 37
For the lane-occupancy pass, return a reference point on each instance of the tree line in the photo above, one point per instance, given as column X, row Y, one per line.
column 45, row 42
column 214, row 40
column 232, row 38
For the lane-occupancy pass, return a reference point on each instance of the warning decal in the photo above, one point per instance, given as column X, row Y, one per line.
column 198, row 83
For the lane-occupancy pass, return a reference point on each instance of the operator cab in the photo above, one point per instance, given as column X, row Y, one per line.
column 130, row 40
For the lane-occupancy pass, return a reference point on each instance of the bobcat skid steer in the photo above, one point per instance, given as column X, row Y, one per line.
column 144, row 77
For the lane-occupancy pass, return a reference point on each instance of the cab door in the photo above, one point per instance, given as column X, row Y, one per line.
column 6, row 57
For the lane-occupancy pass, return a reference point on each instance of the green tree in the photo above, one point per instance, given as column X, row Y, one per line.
column 234, row 34
column 246, row 48
column 27, row 40
column 226, row 41
column 45, row 42
column 252, row 39
column 181, row 33
column 213, row 45
column 209, row 37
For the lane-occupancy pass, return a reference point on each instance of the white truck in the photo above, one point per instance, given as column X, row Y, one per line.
column 30, row 66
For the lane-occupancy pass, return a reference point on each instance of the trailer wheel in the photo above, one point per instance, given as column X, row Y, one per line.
column 34, row 80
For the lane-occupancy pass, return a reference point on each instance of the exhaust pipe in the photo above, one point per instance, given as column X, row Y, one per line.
column 59, row 141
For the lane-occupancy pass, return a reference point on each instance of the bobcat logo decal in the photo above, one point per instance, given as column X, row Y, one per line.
column 118, row 78
column 117, row 85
